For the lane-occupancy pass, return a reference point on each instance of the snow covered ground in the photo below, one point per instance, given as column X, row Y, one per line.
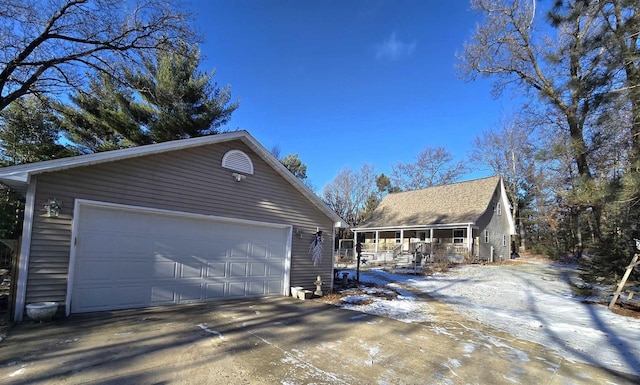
column 533, row 302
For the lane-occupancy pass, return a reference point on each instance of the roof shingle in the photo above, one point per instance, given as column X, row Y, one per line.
column 462, row 202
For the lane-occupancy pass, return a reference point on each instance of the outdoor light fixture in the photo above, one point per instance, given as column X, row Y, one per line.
column 53, row 207
column 298, row 232
column 238, row 177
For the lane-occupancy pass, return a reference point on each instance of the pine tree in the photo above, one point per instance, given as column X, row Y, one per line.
column 170, row 99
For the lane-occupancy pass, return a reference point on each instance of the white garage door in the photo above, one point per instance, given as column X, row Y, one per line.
column 128, row 258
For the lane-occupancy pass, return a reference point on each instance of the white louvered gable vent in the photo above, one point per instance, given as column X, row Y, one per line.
column 238, row 161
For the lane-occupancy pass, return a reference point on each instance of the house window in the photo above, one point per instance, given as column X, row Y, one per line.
column 397, row 237
column 499, row 208
column 458, row 236
column 486, row 236
column 504, row 239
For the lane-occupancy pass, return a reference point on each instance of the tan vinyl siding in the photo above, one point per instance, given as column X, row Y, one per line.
column 190, row 180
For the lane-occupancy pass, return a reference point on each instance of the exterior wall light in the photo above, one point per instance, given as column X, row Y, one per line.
column 238, row 177
column 53, row 207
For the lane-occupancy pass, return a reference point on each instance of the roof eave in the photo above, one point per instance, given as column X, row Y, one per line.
column 415, row 227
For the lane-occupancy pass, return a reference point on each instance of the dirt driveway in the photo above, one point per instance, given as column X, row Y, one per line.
column 275, row 341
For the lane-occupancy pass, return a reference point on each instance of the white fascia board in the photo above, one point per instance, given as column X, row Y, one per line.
column 416, row 227
column 21, row 173
column 25, row 251
column 505, row 199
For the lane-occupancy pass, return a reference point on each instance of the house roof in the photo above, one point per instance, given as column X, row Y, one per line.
column 17, row 177
column 456, row 203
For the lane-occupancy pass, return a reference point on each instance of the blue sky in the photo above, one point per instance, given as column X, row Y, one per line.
column 344, row 83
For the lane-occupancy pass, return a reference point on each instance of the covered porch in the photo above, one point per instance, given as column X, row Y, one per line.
column 387, row 244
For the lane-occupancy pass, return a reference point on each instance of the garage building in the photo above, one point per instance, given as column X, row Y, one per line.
column 192, row 220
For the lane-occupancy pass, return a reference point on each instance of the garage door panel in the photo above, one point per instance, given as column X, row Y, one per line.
column 130, row 296
column 216, row 270
column 133, row 243
column 101, row 242
column 277, row 251
column 216, row 251
column 214, row 290
column 98, row 271
column 239, row 250
column 256, row 288
column 99, row 297
column 190, row 292
column 191, row 271
column 133, row 270
column 164, row 269
column 158, row 294
column 259, row 250
column 237, row 269
column 237, row 289
column 275, row 269
column 274, row 287
column 257, row 269
column 128, row 258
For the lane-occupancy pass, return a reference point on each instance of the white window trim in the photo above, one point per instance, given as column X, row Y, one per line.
column 499, row 208
column 504, row 239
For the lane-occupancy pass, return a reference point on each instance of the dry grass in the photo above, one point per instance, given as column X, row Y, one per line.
column 628, row 310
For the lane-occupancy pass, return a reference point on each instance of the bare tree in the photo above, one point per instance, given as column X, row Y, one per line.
column 507, row 149
column 348, row 192
column 565, row 71
column 49, row 46
column 433, row 167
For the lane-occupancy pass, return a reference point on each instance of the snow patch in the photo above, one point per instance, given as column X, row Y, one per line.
column 211, row 331
column 533, row 302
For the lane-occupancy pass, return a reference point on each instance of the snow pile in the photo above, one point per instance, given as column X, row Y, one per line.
column 376, row 301
column 533, row 302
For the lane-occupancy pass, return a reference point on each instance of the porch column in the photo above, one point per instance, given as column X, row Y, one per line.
column 377, row 240
column 469, row 239
column 401, row 240
column 431, row 241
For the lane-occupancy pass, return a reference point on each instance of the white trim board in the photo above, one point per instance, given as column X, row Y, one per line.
column 25, row 250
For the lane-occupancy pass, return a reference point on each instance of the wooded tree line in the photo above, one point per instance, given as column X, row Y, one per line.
column 574, row 147
column 108, row 74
